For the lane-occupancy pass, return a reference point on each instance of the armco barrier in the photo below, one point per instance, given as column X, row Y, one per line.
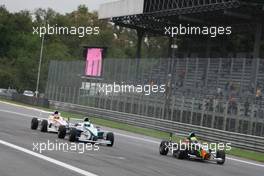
column 42, row 102
column 238, row 140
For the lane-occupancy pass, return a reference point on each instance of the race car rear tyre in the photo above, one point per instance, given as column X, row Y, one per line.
column 34, row 123
column 73, row 134
column 44, row 126
column 179, row 153
column 220, row 154
column 62, row 132
column 110, row 137
column 163, row 149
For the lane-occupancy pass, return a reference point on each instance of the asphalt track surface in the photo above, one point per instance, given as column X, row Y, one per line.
column 132, row 155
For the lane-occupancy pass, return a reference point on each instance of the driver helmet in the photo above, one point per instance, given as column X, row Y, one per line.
column 56, row 115
column 87, row 124
column 192, row 134
column 86, row 119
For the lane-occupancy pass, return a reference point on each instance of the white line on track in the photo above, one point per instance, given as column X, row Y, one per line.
column 51, row 160
column 146, row 140
column 246, row 162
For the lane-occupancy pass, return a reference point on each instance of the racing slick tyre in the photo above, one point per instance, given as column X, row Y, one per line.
column 110, row 137
column 44, row 126
column 73, row 134
column 62, row 132
column 163, row 149
column 179, row 154
column 220, row 154
column 34, row 123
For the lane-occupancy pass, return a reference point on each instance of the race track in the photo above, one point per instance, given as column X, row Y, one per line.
column 132, row 154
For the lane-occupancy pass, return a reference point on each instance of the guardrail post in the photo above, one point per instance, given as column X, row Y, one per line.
column 99, row 100
column 172, row 107
column 202, row 114
column 132, row 104
column 125, row 103
column 251, row 120
column 213, row 115
column 59, row 93
column 78, row 101
column 69, row 96
column 225, row 117
column 111, row 101
column 262, row 129
column 155, row 108
column 145, row 106
column 140, row 104
column 238, row 118
column 64, row 96
column 74, row 95
column 53, row 92
column 105, row 102
column 163, row 109
column 119, row 102
column 191, row 118
column 182, row 106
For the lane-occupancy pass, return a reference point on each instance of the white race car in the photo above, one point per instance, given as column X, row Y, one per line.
column 55, row 123
column 87, row 132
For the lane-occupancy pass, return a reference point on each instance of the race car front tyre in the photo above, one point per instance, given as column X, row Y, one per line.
column 110, row 137
column 44, row 126
column 164, row 147
column 62, row 132
column 73, row 134
column 34, row 123
column 220, row 154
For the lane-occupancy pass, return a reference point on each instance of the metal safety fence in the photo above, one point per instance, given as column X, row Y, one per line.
column 223, row 94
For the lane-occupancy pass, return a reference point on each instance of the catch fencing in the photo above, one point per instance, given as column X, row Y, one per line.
column 215, row 94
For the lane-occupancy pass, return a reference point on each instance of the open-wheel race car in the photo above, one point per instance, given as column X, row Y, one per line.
column 86, row 132
column 189, row 149
column 54, row 123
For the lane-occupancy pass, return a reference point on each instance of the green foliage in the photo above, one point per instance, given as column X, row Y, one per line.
column 20, row 49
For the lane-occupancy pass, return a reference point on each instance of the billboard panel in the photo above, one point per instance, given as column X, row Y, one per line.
column 94, row 62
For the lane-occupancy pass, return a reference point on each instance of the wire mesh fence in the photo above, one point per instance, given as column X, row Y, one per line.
column 217, row 93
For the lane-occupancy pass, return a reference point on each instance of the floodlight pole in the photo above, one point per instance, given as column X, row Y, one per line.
column 140, row 35
column 39, row 66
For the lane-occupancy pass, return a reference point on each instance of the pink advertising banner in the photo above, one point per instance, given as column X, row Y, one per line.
column 94, row 62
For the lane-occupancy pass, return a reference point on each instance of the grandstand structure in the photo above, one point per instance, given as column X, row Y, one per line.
column 208, row 83
column 238, row 68
column 150, row 17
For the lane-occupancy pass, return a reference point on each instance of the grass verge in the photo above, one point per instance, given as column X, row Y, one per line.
column 257, row 156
